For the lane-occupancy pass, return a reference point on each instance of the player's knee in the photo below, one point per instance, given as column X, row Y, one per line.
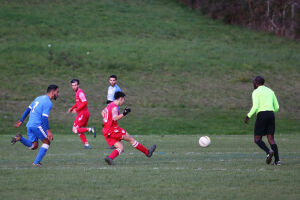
column 34, row 146
column 121, row 149
column 74, row 129
column 46, row 141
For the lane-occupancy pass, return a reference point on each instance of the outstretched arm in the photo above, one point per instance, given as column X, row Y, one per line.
column 25, row 114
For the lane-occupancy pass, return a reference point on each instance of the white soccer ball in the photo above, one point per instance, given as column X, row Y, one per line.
column 204, row 141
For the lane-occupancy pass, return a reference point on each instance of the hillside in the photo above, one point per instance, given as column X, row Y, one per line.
column 183, row 73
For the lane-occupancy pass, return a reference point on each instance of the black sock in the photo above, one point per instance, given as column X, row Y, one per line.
column 263, row 146
column 275, row 149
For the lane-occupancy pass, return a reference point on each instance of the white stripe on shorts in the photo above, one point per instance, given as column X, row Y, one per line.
column 41, row 129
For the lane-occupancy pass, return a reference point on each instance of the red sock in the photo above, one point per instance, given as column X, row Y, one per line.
column 140, row 147
column 115, row 153
column 82, row 130
column 83, row 138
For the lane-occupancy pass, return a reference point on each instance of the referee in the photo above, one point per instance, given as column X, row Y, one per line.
column 264, row 104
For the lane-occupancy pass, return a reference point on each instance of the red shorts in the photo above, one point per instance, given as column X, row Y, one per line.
column 81, row 120
column 115, row 135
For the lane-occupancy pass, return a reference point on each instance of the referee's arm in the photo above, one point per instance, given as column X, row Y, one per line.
column 254, row 105
column 275, row 104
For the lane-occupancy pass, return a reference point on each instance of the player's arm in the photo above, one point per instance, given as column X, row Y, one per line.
column 25, row 114
column 72, row 108
column 83, row 102
column 115, row 113
column 45, row 121
column 82, row 105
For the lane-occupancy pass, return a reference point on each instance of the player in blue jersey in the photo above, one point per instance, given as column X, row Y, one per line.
column 37, row 125
column 112, row 89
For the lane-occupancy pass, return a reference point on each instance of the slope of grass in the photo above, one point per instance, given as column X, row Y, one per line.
column 182, row 72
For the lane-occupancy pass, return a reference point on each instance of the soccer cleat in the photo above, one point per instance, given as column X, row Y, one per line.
column 93, row 131
column 269, row 157
column 37, row 165
column 109, row 161
column 278, row 163
column 16, row 138
column 87, row 147
column 151, row 150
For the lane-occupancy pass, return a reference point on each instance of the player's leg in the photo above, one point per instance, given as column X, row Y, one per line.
column 42, row 135
column 82, row 123
column 115, row 153
column 78, row 123
column 138, row 146
column 31, row 142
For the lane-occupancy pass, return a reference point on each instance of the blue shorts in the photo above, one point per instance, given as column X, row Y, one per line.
column 36, row 133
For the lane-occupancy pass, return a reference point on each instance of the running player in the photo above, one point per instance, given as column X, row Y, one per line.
column 112, row 89
column 265, row 104
column 37, row 125
column 82, row 118
column 114, row 134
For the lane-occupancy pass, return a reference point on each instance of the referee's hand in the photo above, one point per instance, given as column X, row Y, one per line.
column 246, row 120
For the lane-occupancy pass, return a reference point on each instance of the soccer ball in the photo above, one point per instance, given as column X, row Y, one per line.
column 204, row 141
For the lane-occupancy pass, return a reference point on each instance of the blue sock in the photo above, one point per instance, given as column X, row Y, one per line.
column 26, row 142
column 42, row 152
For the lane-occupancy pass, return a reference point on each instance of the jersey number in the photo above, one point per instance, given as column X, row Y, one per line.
column 105, row 118
column 36, row 104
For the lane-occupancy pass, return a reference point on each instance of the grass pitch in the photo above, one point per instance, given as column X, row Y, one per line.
column 231, row 168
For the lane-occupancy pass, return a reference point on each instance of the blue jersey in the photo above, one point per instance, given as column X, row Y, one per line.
column 40, row 107
column 111, row 92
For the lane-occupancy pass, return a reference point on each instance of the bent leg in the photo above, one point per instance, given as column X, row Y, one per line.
column 135, row 144
column 81, row 135
column 119, row 149
column 261, row 144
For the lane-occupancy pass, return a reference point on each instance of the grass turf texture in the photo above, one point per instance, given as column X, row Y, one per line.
column 231, row 168
column 183, row 73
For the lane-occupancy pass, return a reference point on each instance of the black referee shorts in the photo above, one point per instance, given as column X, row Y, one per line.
column 265, row 123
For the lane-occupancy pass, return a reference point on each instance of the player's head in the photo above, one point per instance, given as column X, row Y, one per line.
column 53, row 91
column 257, row 81
column 75, row 84
column 119, row 98
column 113, row 80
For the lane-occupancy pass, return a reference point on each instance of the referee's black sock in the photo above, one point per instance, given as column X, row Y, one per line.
column 263, row 146
column 275, row 149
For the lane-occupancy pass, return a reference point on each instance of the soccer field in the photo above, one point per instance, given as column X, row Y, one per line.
column 231, row 168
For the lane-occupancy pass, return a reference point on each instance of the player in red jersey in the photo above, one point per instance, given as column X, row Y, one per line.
column 82, row 118
column 114, row 134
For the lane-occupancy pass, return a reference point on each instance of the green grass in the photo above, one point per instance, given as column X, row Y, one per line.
column 184, row 75
column 233, row 167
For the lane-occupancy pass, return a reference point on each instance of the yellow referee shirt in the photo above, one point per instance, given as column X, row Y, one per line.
column 263, row 99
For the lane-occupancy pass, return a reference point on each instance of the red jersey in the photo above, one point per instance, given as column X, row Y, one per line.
column 108, row 123
column 80, row 101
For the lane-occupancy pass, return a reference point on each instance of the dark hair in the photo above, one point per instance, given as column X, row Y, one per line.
column 260, row 80
column 113, row 76
column 75, row 80
column 119, row 94
column 51, row 87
